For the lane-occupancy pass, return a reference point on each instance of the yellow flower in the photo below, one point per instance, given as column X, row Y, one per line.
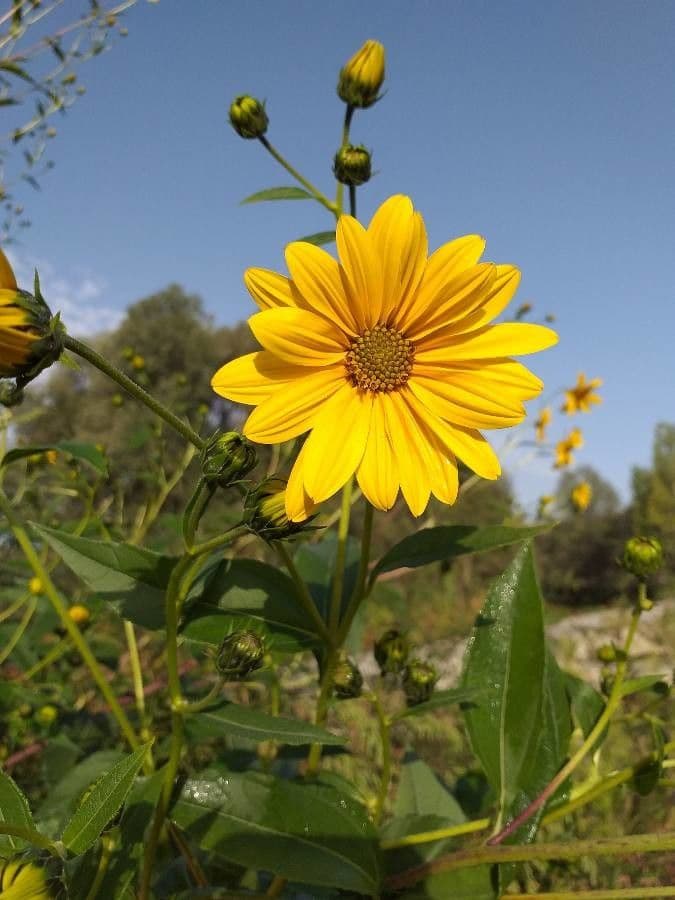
column 581, row 496
column 361, row 77
column 580, row 397
column 22, row 880
column 564, row 448
column 138, row 362
column 35, row 585
column 79, row 614
column 387, row 358
column 541, row 422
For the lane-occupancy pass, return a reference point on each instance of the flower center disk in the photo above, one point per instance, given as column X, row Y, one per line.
column 380, row 359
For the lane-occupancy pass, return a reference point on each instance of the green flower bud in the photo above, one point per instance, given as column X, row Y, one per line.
column 606, row 653
column 347, row 680
column 642, row 556
column 117, row 400
column 265, row 511
column 645, row 604
column 419, row 679
column 46, row 715
column 240, row 654
column 227, row 458
column 391, row 652
column 351, row 165
column 361, row 77
column 248, row 117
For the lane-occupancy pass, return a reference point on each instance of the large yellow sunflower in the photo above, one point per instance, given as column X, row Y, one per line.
column 387, row 358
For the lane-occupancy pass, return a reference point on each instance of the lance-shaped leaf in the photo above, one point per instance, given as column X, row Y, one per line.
column 309, row 832
column 319, row 238
column 439, row 700
column 131, row 578
column 74, row 450
column 445, row 542
column 231, row 719
column 102, row 801
column 14, row 810
column 278, row 193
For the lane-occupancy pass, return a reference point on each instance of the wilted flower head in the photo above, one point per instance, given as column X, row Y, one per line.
column 361, row 77
column 580, row 397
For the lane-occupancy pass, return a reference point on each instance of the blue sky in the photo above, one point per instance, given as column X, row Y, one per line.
column 546, row 127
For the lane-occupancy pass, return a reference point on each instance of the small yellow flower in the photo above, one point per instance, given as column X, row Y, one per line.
column 361, row 77
column 580, row 397
column 51, row 456
column 79, row 614
column 35, row 585
column 138, row 362
column 541, row 423
column 581, row 496
column 46, row 715
column 23, row 880
column 387, row 358
column 564, row 448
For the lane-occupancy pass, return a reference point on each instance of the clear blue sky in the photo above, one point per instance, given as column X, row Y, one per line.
column 547, row 127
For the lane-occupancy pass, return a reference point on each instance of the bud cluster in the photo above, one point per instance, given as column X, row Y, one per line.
column 417, row 678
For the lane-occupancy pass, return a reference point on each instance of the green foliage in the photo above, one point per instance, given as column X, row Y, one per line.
column 14, row 810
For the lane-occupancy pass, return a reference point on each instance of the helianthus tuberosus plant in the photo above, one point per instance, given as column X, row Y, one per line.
column 379, row 369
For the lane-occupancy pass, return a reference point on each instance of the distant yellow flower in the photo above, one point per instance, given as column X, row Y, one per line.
column 387, row 359
column 79, row 614
column 23, row 880
column 138, row 362
column 51, row 457
column 544, row 502
column 361, row 77
column 541, row 422
column 581, row 496
column 564, row 448
column 35, row 586
column 580, row 397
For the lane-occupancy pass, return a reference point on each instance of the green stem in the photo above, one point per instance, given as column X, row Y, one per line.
column 33, row 837
column 360, row 590
column 57, row 651
column 339, row 195
column 70, row 627
column 136, row 677
column 314, row 756
column 438, row 834
column 384, row 724
column 217, row 543
column 14, row 607
column 635, row 893
column 339, row 572
column 136, row 391
column 352, row 200
column 107, row 848
column 19, row 630
column 189, row 708
column 303, row 593
column 315, row 192
column 488, row 854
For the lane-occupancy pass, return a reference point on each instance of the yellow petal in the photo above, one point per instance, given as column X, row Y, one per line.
column 299, row 505
column 337, row 442
column 400, row 240
column 460, row 405
column 510, row 339
column 444, row 474
column 409, row 449
column 292, row 410
column 465, row 291
column 269, row 289
column 7, row 277
column 362, row 271
column 299, row 336
column 254, row 377
column 378, row 473
column 490, row 377
column 316, row 276
column 495, row 299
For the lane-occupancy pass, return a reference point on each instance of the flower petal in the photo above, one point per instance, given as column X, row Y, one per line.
column 254, row 377
column 459, row 404
column 337, row 442
column 299, row 505
column 489, row 377
column 291, row 411
column 509, row 339
column 378, row 473
column 298, row 336
column 465, row 291
column 361, row 271
column 7, row 277
column 316, row 276
column 269, row 289
column 400, row 239
column 409, row 449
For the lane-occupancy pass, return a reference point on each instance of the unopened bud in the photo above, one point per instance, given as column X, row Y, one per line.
column 606, row 653
column 79, row 614
column 265, row 511
column 352, row 165
column 347, row 680
column 240, row 654
column 419, row 679
column 645, row 604
column 642, row 556
column 46, row 715
column 391, row 652
column 361, row 77
column 248, row 117
column 227, row 458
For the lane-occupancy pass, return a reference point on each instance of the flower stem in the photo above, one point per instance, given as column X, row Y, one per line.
column 384, row 724
column 349, row 112
column 315, row 192
column 303, row 593
column 32, row 836
column 19, row 631
column 634, row 893
column 339, row 571
column 360, row 590
column 136, row 391
column 24, row 541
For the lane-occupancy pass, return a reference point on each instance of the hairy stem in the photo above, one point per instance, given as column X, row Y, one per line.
column 315, row 192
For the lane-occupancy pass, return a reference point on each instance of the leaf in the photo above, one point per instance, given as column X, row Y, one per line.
column 439, row 699
column 464, row 884
column 230, row 719
column 86, row 452
column 102, row 801
column 307, row 832
column 586, row 703
column 279, row 193
column 131, row 578
column 421, row 792
column 14, row 810
column 641, row 683
column 519, row 727
column 316, row 565
column 246, row 593
column 319, row 239
column 448, row 541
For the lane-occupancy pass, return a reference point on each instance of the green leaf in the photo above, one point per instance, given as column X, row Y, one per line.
column 439, row 699
column 520, row 726
column 445, row 542
column 230, row 719
column 465, row 884
column 279, row 193
column 316, row 565
column 420, row 792
column 639, row 684
column 85, row 452
column 319, row 239
column 586, row 703
column 103, row 800
column 308, row 832
column 131, row 578
column 14, row 810
column 246, row 593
